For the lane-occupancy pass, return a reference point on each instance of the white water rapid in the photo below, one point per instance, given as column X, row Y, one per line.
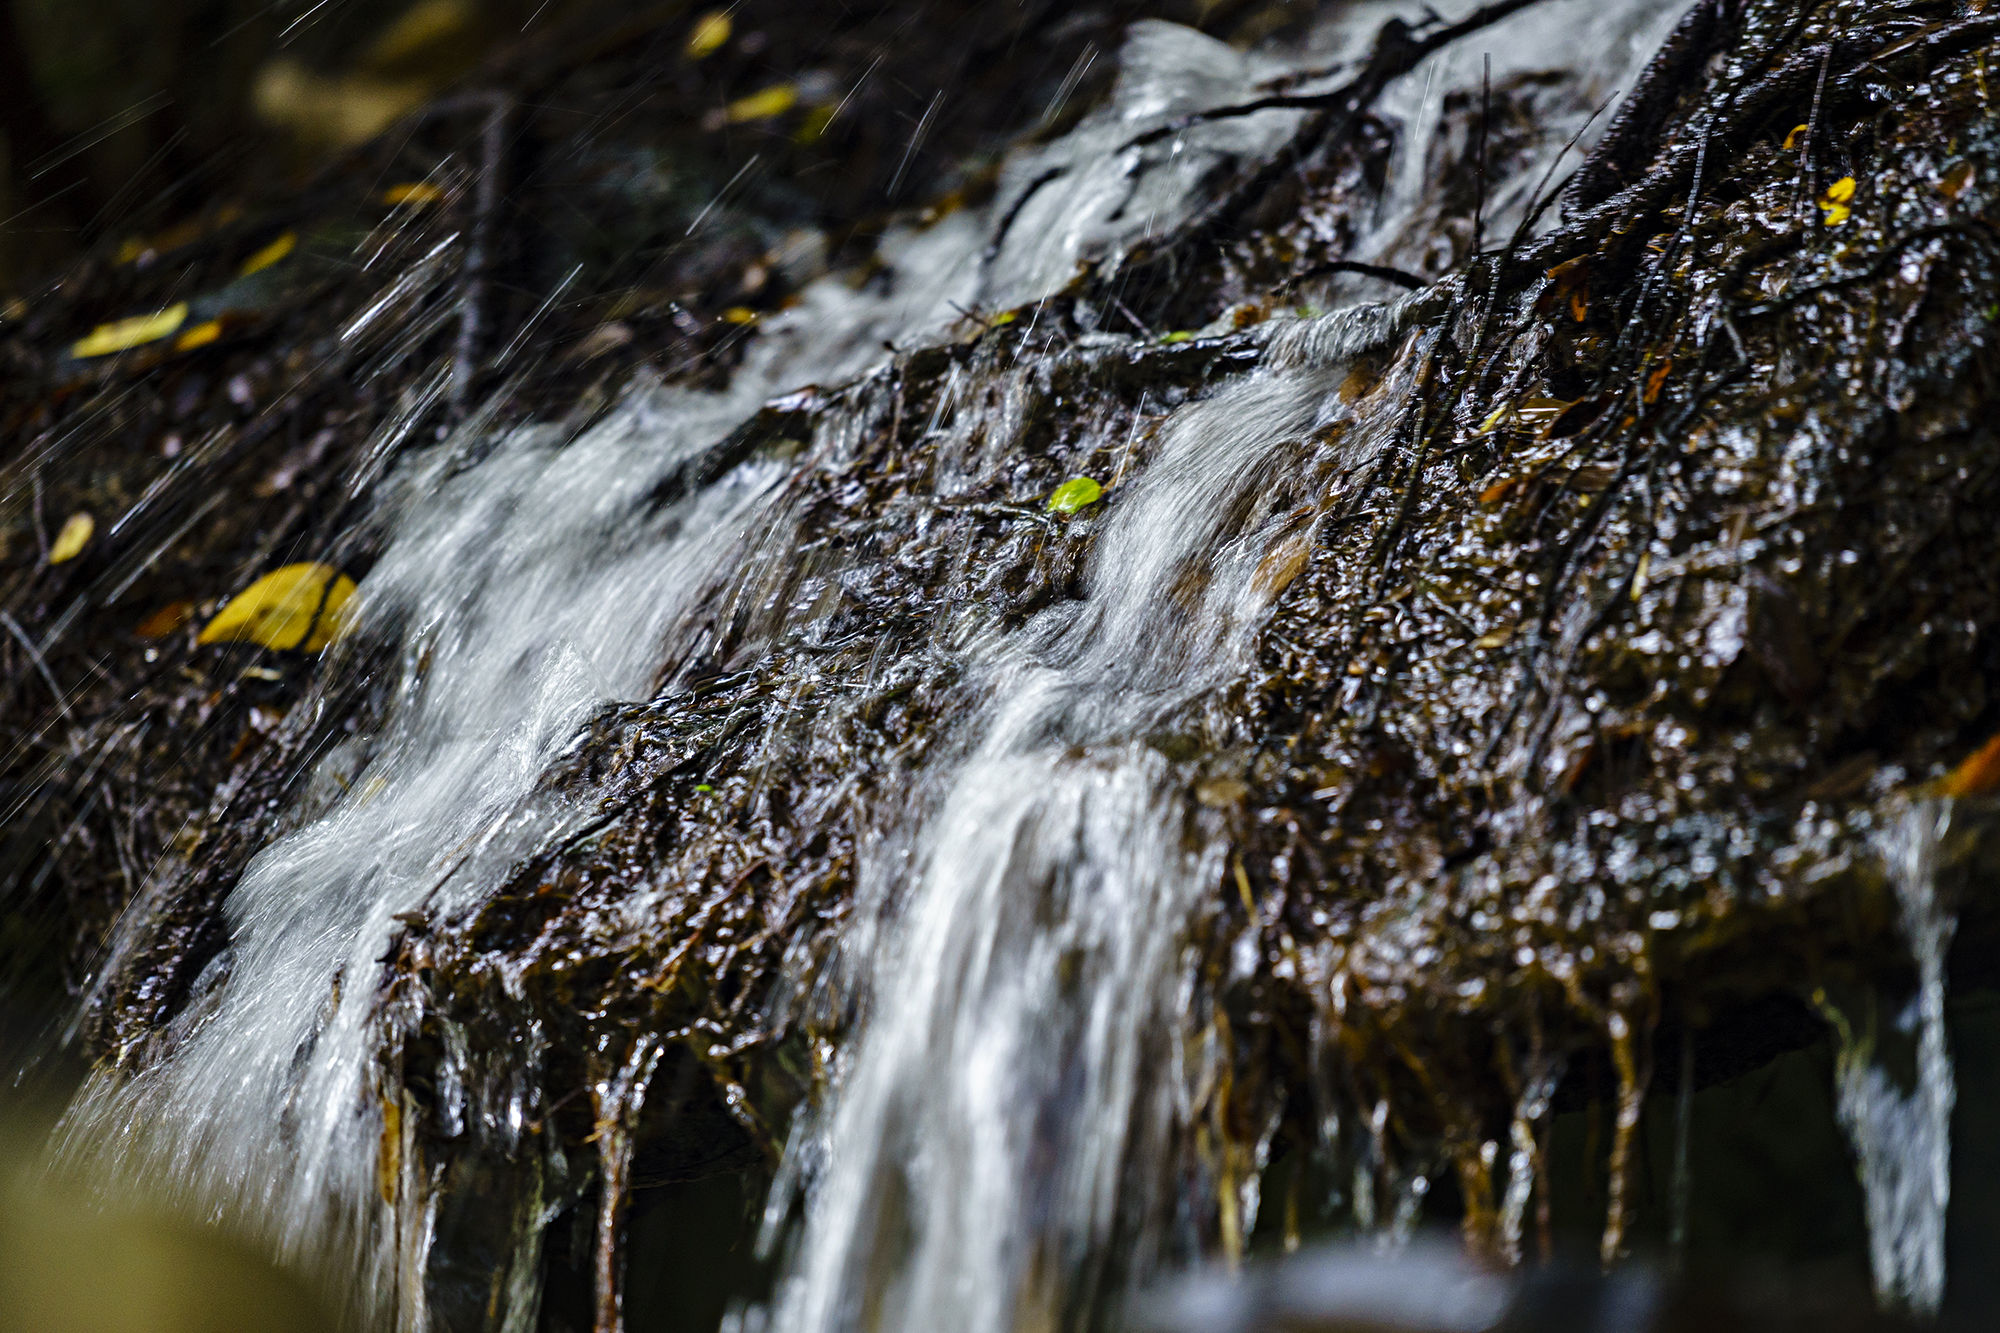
column 1020, row 976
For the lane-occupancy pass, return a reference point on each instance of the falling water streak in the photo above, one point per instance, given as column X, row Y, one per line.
column 1524, row 1160
column 527, row 581
column 1903, row 1136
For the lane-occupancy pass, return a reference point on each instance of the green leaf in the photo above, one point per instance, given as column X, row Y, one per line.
column 1074, row 494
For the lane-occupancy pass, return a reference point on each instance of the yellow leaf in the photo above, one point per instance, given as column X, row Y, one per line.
column 414, row 193
column 75, row 535
column 121, row 334
column 201, row 335
column 1834, row 203
column 813, row 125
column 326, row 110
column 710, row 31
column 419, row 32
column 1977, row 775
column 271, row 254
column 1792, row 139
column 298, row 606
column 739, row 314
column 775, row 100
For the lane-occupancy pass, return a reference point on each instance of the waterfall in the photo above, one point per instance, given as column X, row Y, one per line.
column 1023, row 1006
column 1021, row 975
column 1902, row 1134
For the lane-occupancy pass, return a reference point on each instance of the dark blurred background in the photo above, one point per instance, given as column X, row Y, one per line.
column 119, row 116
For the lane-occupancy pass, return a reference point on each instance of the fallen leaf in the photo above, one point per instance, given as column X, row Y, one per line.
column 1497, row 492
column 200, row 335
column 1286, row 562
column 298, row 606
column 122, row 334
column 1953, row 183
column 710, row 31
column 1658, row 380
column 1494, row 639
column 271, row 254
column 1569, row 287
column 1978, row 775
column 775, row 100
column 1792, row 139
column 1835, row 202
column 336, row 111
column 1074, row 494
column 165, row 620
column 739, row 314
column 414, row 194
column 418, row 34
column 813, row 125
column 75, row 535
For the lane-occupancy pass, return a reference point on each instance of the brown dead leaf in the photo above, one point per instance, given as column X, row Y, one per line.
column 165, row 620
column 1658, row 380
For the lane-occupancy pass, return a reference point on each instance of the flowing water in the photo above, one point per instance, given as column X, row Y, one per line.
column 1020, row 971
column 1897, row 1112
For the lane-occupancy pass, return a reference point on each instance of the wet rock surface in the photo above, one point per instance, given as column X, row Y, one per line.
column 1585, row 704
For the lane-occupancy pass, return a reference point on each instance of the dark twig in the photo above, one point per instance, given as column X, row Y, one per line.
column 1479, row 181
column 1397, row 52
column 1401, row 277
column 478, row 253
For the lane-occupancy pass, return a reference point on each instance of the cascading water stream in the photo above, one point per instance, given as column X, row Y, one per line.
column 1900, row 1121
column 1020, row 977
column 525, row 589
column 1028, row 1032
